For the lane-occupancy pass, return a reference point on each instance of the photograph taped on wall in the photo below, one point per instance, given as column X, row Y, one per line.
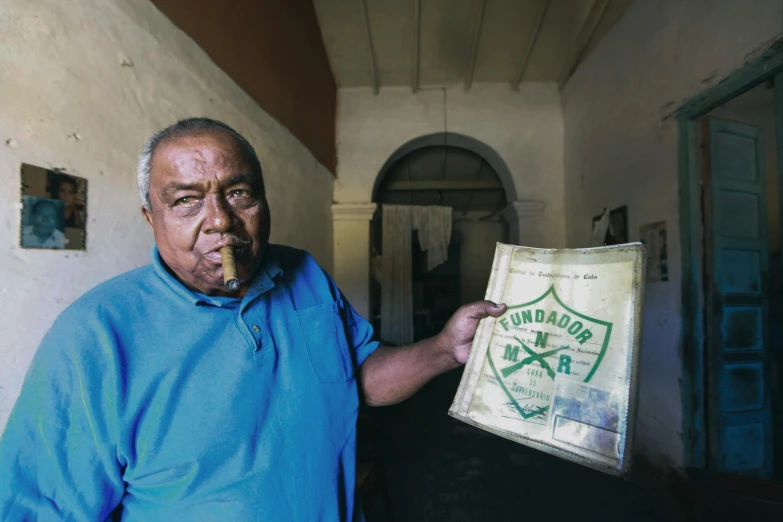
column 617, row 233
column 653, row 236
column 54, row 209
column 557, row 371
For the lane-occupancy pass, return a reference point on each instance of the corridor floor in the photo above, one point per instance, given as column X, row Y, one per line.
column 440, row 469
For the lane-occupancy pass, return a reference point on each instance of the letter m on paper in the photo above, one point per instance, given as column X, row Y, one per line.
column 512, row 353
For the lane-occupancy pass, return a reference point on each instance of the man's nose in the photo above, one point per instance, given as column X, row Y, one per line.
column 219, row 215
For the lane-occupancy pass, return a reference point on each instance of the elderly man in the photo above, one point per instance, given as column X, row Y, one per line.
column 158, row 395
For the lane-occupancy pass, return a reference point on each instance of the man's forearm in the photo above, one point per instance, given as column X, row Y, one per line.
column 391, row 375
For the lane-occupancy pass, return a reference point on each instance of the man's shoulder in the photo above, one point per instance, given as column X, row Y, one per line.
column 302, row 271
column 29, row 238
column 297, row 264
column 98, row 316
column 291, row 258
column 113, row 295
column 57, row 239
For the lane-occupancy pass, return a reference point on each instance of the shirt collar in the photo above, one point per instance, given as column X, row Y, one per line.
column 263, row 282
column 265, row 278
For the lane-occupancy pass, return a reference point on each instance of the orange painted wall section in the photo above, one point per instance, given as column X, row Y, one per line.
column 272, row 49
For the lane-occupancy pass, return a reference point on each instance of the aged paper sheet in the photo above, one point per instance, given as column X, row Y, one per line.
column 557, row 371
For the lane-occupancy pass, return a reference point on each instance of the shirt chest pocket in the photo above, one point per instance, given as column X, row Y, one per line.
column 327, row 346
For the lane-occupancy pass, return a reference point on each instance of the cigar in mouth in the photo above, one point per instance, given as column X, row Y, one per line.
column 229, row 269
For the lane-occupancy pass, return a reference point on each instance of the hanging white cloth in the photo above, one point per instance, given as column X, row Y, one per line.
column 397, row 284
column 434, row 226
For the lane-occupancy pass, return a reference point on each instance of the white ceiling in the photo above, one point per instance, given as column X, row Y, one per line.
column 434, row 43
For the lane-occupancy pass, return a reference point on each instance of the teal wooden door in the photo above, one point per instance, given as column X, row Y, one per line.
column 736, row 300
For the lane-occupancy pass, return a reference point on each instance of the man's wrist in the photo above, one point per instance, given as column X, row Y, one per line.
column 445, row 352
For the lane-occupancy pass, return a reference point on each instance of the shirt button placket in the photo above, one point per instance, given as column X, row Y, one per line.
column 257, row 330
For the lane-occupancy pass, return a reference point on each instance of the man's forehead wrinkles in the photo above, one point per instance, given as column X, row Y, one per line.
column 203, row 158
column 204, row 164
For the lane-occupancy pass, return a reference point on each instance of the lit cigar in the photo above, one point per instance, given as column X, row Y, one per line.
column 229, row 269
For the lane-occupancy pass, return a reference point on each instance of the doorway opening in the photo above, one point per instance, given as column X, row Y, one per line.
column 449, row 176
column 741, row 207
column 731, row 187
column 418, row 443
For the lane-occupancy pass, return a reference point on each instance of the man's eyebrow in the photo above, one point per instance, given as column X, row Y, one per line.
column 240, row 178
column 174, row 187
column 236, row 179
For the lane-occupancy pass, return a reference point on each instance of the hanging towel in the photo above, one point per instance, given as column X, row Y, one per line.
column 397, row 284
column 434, row 226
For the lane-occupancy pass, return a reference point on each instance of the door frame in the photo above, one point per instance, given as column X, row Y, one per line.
column 692, row 338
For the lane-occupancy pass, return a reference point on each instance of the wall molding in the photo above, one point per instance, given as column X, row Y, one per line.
column 521, row 209
column 353, row 211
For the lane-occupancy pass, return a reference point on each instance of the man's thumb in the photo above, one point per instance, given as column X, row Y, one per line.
column 482, row 309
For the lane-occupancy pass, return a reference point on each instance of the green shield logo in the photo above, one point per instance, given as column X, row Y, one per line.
column 534, row 342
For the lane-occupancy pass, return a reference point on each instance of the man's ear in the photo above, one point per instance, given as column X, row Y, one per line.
column 147, row 216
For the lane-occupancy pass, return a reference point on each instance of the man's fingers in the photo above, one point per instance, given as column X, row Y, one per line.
column 482, row 309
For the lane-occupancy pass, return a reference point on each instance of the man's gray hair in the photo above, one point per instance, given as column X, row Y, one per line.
column 184, row 129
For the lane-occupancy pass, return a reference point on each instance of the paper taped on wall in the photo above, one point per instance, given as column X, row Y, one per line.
column 557, row 371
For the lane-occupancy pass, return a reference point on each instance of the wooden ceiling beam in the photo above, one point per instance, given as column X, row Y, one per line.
column 396, row 186
column 586, row 33
column 478, row 22
column 531, row 43
column 370, row 46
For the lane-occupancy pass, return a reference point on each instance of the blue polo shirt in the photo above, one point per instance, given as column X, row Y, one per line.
column 164, row 404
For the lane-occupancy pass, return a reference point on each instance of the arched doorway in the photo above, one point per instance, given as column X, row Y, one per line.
column 471, row 179
column 419, row 445
column 453, row 141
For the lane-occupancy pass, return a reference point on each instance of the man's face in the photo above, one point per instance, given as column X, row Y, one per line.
column 44, row 220
column 204, row 196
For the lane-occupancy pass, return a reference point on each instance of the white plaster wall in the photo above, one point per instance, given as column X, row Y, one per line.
column 525, row 128
column 620, row 150
column 352, row 273
column 60, row 75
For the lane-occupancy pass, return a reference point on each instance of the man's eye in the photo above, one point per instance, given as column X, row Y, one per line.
column 240, row 193
column 187, row 201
